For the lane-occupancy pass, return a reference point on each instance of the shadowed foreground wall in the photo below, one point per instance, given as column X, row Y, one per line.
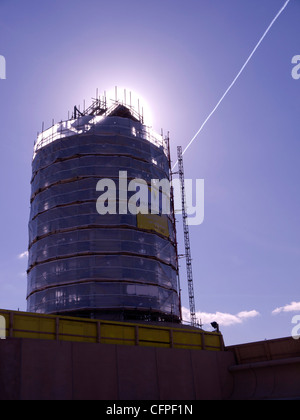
column 43, row 369
column 268, row 369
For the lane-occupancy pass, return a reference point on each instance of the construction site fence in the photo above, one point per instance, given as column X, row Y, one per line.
column 65, row 328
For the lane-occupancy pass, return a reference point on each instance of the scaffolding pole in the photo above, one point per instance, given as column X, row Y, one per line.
column 187, row 245
column 173, row 220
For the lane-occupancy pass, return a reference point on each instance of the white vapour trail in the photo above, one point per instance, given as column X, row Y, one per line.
column 236, row 77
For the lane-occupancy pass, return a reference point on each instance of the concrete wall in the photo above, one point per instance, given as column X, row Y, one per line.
column 46, row 369
column 268, row 369
column 271, row 380
column 42, row 369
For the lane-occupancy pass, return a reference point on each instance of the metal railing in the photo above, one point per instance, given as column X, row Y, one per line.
column 87, row 124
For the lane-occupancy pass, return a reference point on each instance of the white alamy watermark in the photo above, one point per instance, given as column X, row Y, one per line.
column 2, row 67
column 2, row 328
column 138, row 196
column 296, row 329
column 296, row 68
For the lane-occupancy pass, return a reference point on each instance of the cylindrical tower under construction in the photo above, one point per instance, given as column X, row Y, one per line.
column 82, row 262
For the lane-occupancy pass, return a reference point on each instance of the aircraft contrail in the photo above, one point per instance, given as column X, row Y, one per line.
column 236, row 77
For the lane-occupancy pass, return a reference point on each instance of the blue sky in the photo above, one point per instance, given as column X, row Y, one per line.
column 180, row 56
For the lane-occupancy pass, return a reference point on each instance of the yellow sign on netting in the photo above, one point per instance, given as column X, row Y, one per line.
column 153, row 222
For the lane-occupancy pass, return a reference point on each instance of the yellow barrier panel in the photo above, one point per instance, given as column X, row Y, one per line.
column 66, row 328
column 2, row 327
